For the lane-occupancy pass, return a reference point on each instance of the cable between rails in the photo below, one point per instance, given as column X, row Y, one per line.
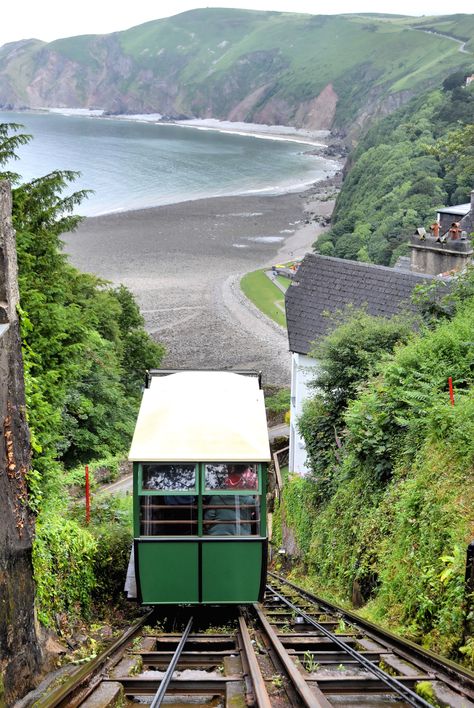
column 165, row 681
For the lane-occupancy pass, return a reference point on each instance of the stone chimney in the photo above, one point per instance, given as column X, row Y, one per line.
column 448, row 246
column 434, row 257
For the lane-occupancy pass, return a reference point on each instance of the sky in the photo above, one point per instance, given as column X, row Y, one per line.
column 51, row 19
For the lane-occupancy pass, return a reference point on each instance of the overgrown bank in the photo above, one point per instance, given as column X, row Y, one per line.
column 84, row 351
column 385, row 517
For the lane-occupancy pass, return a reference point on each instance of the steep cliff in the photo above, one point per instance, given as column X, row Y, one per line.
column 19, row 650
column 309, row 71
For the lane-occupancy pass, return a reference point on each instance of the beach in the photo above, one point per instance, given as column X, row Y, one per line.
column 184, row 261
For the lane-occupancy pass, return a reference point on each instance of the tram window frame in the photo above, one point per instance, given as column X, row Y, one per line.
column 206, row 491
column 144, row 493
column 192, row 491
column 200, row 492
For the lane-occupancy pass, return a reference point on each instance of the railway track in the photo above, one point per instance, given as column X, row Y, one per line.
column 295, row 650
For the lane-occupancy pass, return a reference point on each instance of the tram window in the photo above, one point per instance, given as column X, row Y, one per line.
column 231, row 476
column 231, row 515
column 168, row 515
column 168, row 477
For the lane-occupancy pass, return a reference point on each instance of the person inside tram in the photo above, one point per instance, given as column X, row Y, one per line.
column 233, row 514
column 169, row 514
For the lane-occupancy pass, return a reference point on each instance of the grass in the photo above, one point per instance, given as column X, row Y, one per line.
column 265, row 295
column 284, row 282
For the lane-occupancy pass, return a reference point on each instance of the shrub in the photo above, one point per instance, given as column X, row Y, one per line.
column 389, row 523
column 63, row 558
column 346, row 358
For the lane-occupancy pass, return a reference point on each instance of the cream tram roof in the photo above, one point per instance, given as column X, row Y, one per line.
column 207, row 416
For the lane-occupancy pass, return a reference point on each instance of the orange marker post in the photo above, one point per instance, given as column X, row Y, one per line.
column 451, row 392
column 88, row 496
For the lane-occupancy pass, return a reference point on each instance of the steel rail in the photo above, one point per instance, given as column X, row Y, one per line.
column 406, row 693
column 312, row 697
column 165, row 681
column 61, row 693
column 454, row 673
column 260, row 690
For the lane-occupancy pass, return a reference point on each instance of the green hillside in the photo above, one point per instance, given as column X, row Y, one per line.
column 390, row 489
column 243, row 65
column 402, row 172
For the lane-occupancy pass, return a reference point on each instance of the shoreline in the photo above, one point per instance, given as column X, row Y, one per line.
column 183, row 263
column 318, row 199
column 299, row 189
column 283, row 133
column 317, row 141
column 256, row 130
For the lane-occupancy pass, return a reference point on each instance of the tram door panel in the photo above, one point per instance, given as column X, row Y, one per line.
column 232, row 553
column 168, row 507
column 168, row 571
column 231, row 571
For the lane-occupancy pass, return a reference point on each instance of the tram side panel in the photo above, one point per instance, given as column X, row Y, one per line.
column 200, row 547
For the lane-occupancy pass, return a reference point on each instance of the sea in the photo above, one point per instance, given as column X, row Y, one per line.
column 134, row 164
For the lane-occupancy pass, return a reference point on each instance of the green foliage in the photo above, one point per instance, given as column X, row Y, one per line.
column 425, row 690
column 346, row 358
column 85, row 348
column 422, row 560
column 107, row 468
column 63, row 557
column 85, row 353
column 78, row 568
column 391, row 531
column 299, row 494
column 278, row 402
column 10, row 140
column 111, row 526
column 397, row 404
column 408, row 165
column 455, row 151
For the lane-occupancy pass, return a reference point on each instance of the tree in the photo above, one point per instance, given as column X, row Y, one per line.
column 407, row 166
column 85, row 348
column 455, row 150
column 346, row 357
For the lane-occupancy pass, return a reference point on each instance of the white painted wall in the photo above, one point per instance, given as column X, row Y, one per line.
column 302, row 371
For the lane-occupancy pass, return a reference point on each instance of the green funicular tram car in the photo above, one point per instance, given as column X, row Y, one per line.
column 200, row 452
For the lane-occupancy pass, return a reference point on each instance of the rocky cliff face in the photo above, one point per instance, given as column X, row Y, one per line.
column 19, row 650
column 114, row 82
column 276, row 68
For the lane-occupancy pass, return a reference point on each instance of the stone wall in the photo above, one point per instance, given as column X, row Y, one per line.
column 19, row 649
column 434, row 257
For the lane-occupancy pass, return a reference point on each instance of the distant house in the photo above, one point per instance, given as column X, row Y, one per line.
column 324, row 285
column 448, row 247
column 462, row 213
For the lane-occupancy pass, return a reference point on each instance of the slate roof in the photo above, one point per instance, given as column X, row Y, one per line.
column 457, row 209
column 324, row 284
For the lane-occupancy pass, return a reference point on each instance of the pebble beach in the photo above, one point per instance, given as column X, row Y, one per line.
column 184, row 261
